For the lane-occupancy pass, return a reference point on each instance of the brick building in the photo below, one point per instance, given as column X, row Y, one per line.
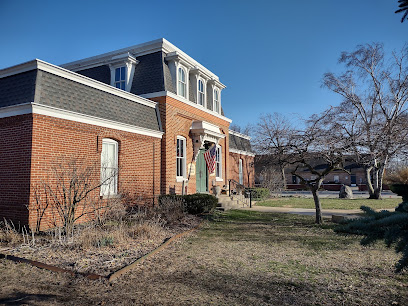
column 150, row 111
column 354, row 175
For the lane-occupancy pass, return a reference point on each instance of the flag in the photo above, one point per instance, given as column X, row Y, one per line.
column 209, row 157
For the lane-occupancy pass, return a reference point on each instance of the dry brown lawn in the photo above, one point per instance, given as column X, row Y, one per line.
column 237, row 258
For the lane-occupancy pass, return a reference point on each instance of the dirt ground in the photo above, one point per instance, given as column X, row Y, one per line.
column 238, row 258
column 100, row 260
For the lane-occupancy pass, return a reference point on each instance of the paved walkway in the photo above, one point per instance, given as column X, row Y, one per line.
column 326, row 213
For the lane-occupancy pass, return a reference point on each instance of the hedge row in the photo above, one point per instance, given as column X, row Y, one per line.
column 257, row 193
column 194, row 203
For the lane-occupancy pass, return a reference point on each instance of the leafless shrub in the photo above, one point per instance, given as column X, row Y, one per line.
column 9, row 234
column 170, row 210
column 397, row 176
column 70, row 192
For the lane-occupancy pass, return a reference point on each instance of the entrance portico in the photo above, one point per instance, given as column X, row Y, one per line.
column 204, row 135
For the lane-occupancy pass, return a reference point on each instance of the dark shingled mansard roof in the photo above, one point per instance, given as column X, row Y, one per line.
column 239, row 143
column 52, row 90
column 152, row 74
column 18, row 89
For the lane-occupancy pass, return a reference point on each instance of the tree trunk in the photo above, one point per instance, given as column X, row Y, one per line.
column 369, row 184
column 318, row 206
column 283, row 177
column 380, row 178
column 377, row 186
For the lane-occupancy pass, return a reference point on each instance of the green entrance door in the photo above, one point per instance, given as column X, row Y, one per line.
column 201, row 173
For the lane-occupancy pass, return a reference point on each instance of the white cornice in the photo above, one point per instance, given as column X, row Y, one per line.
column 35, row 108
column 241, row 152
column 16, row 110
column 20, row 68
column 139, row 50
column 73, row 76
column 239, row 134
column 184, row 100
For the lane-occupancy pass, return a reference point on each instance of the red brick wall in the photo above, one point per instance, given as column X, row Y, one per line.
column 15, row 163
column 139, row 169
column 176, row 118
column 248, row 169
column 29, row 144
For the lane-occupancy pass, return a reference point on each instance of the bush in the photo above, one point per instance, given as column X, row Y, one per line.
column 193, row 203
column 170, row 209
column 257, row 193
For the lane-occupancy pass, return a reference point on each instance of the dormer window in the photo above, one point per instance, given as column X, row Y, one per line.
column 201, row 96
column 182, row 84
column 122, row 69
column 120, row 78
column 216, row 100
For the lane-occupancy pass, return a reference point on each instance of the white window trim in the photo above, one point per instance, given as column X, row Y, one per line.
column 186, row 82
column 181, row 99
column 219, row 100
column 241, row 171
column 114, row 142
column 120, row 76
column 182, row 177
column 203, row 92
column 129, row 63
column 219, row 178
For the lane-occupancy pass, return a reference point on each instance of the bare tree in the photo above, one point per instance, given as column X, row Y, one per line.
column 273, row 137
column 319, row 151
column 271, row 180
column 304, row 150
column 403, row 8
column 372, row 115
column 246, row 130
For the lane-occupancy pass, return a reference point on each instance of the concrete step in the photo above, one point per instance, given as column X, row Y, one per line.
column 226, row 203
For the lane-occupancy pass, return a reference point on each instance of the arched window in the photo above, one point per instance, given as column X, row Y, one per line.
column 240, row 172
column 182, row 84
column 181, row 157
column 109, row 167
column 216, row 101
column 201, row 96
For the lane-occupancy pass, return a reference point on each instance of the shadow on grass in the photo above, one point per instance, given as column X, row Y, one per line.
column 22, row 298
column 247, row 289
column 239, row 225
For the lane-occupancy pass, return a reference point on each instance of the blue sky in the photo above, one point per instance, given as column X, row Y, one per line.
column 270, row 54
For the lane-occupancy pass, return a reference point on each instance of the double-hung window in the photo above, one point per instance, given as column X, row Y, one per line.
column 109, row 167
column 182, row 83
column 201, row 92
column 218, row 163
column 181, row 157
column 120, row 78
column 241, row 173
column 216, row 100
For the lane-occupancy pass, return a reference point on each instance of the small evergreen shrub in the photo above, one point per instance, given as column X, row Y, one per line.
column 258, row 193
column 193, row 203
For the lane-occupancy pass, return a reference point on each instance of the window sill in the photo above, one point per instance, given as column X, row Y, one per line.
column 181, row 179
column 111, row 196
column 219, row 179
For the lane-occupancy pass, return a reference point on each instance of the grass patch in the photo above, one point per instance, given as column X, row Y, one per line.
column 236, row 258
column 331, row 203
